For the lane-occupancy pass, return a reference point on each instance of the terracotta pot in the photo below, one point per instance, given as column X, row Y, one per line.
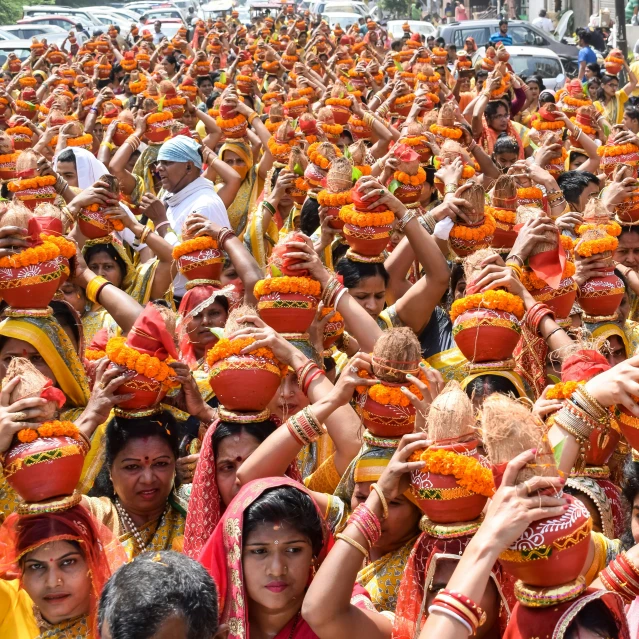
column 386, row 420
column 158, row 132
column 45, row 468
column 479, row 337
column 403, row 109
column 93, row 224
column 601, row 296
column 612, row 68
column 332, row 331
column 21, row 142
column 30, row 114
column 603, row 443
column 551, row 551
column 244, row 382
column 119, row 137
column 504, row 236
column 148, row 392
column 202, row 265
column 30, row 286
column 341, row 114
column 369, row 241
column 463, row 248
column 629, row 426
column 299, row 197
column 560, row 301
column 440, row 498
column 609, row 162
column 177, row 110
column 334, row 221
column 628, row 212
column 295, row 111
column 8, row 171
column 407, row 193
column 287, row 312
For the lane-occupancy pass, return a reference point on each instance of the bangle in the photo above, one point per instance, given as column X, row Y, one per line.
column 516, row 269
column 382, row 498
column 94, row 287
column 145, row 234
column 269, row 207
column 452, row 614
column 365, row 520
column 553, row 332
column 471, row 146
column 352, row 542
column 108, row 145
column 133, row 141
column 94, row 109
column 251, row 118
column 428, row 222
column 60, row 185
column 450, row 188
column 369, row 120
column 514, row 256
column 161, row 224
column 466, row 602
column 224, row 235
column 339, row 296
column 406, row 218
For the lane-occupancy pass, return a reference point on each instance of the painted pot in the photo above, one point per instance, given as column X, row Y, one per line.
column 334, row 221
column 244, row 382
column 8, row 170
column 287, row 312
column 31, row 286
column 464, row 247
column 21, row 141
column 341, row 114
column 147, row 392
column 601, row 296
column 486, row 335
column 93, row 224
column 158, row 131
column 551, row 551
column 629, row 426
column 32, row 197
column 45, row 468
column 177, row 110
column 299, row 196
column 603, row 443
column 120, row 136
column 628, row 211
column 369, row 241
column 296, row 110
column 26, row 112
column 403, row 109
column 202, row 265
column 386, row 420
column 440, row 498
column 560, row 301
column 504, row 236
column 408, row 193
column 332, row 331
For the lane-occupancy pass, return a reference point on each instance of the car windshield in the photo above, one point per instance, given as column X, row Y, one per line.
column 535, row 65
column 23, row 54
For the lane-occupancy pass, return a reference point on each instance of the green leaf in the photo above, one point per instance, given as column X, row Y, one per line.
column 298, row 170
column 394, row 185
column 356, row 174
column 398, row 65
column 347, row 153
column 31, row 106
column 161, row 104
column 275, row 271
column 558, row 450
column 217, row 331
column 350, row 87
column 294, row 123
column 223, row 77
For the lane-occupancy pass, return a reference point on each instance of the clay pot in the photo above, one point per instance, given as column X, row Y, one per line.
column 429, row 490
column 480, row 339
column 553, row 551
column 601, row 296
column 21, row 141
column 560, row 301
column 119, row 137
column 603, row 443
column 504, row 236
column 402, row 110
column 386, row 420
column 93, row 224
column 244, row 382
column 177, row 110
column 612, row 68
column 407, row 193
column 332, row 331
column 158, row 131
column 296, row 110
column 369, row 241
column 31, row 286
column 334, row 221
column 8, row 170
column 45, row 468
column 341, row 114
column 30, row 114
column 299, row 197
column 202, row 265
column 148, row 392
column 287, row 312
column 628, row 211
column 463, row 247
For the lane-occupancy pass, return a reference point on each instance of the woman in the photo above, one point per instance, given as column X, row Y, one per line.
column 136, row 484
column 610, row 99
column 62, row 561
column 536, row 86
column 505, row 152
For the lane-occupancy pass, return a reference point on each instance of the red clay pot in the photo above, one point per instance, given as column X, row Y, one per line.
column 158, row 132
column 148, row 392
column 369, row 241
column 30, row 114
column 21, row 141
column 504, row 237
column 341, row 114
column 93, row 224
column 244, row 382
column 202, row 265
column 480, row 340
column 177, row 110
column 602, row 295
column 334, row 221
column 45, row 468
column 288, row 312
column 628, row 212
column 32, row 197
column 560, row 301
column 408, row 193
column 386, row 420
column 119, row 137
column 629, row 426
column 299, row 197
column 31, row 286
column 551, row 551
column 403, row 109
column 332, row 331
column 429, row 490
column 8, row 171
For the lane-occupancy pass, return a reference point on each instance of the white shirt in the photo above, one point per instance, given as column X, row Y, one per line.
column 543, row 23
column 198, row 197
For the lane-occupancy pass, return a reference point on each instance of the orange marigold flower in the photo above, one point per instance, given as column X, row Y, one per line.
column 196, row 244
column 498, row 300
column 287, row 284
column 350, row 215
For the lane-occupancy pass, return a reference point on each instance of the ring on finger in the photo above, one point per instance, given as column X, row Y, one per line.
column 20, row 416
column 354, row 369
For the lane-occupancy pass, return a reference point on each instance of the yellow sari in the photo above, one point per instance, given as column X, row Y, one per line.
column 16, row 612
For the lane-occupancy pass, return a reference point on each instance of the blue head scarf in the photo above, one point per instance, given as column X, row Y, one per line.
column 181, row 149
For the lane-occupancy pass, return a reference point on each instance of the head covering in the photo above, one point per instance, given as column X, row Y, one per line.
column 222, row 557
column 603, row 332
column 583, row 365
column 181, row 149
column 88, row 167
column 606, row 498
column 113, row 240
column 513, row 377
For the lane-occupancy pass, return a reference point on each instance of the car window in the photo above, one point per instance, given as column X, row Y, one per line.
column 529, row 65
column 479, row 34
column 23, row 54
column 522, row 36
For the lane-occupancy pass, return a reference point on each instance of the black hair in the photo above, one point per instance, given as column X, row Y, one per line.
column 594, row 67
column 67, row 156
column 440, row 42
column 537, row 80
column 63, row 313
column 289, row 505
column 171, row 59
column 573, row 183
column 546, row 97
column 503, row 21
column 606, row 78
column 493, row 105
column 452, row 47
column 396, row 45
column 259, row 431
column 632, row 112
column 505, row 144
column 354, row 272
column 309, row 216
column 585, row 36
column 485, row 385
column 203, row 78
column 628, row 229
column 629, row 491
column 111, row 252
column 542, row 13
column 597, row 618
column 143, row 594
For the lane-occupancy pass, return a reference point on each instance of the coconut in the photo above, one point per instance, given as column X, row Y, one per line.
column 32, row 383
column 325, row 114
column 27, row 164
column 15, row 214
column 167, row 88
column 551, row 239
column 595, row 211
column 450, row 150
column 6, row 144
column 297, row 157
column 451, row 415
column 327, row 150
column 473, row 263
column 476, row 198
column 340, row 176
column 233, row 324
column 276, row 113
column 285, row 132
column 446, row 116
column 396, row 353
column 339, row 90
column 505, row 193
column 46, row 209
column 596, row 234
column 358, row 152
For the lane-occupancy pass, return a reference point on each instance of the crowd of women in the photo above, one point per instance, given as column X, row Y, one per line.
column 310, row 333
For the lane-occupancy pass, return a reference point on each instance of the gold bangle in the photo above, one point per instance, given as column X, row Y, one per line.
column 352, row 542
column 382, row 498
column 94, row 286
column 251, row 118
column 145, row 234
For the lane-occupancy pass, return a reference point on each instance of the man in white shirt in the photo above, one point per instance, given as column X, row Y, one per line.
column 543, row 22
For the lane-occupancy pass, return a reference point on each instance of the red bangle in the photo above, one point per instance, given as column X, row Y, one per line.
column 310, row 377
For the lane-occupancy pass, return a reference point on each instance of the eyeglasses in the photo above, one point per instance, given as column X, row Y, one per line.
column 500, row 116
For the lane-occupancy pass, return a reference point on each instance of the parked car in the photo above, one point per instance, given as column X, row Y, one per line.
column 164, row 13
column 66, row 22
column 53, row 33
column 36, row 11
column 335, row 6
column 395, row 30
column 522, row 33
column 22, row 48
column 169, row 28
column 343, row 18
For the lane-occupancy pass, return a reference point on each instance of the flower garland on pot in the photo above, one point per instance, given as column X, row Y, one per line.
column 55, row 428
column 612, row 154
column 495, row 300
column 203, row 258
column 225, row 348
column 338, row 191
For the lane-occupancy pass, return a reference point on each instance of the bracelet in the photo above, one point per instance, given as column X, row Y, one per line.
column 516, row 269
column 457, row 605
column 108, row 145
column 514, row 256
column 310, row 377
column 303, row 371
column 471, row 146
column 94, row 110
column 60, row 185
column 407, row 217
column 133, row 141
column 161, row 224
column 339, row 296
column 369, row 119
column 224, row 234
column 450, row 188
column 352, row 542
column 382, row 498
column 428, row 222
column 94, row 287
column 145, row 234
column 269, row 207
column 551, row 196
column 365, row 520
column 553, row 332
column 251, row 118
column 466, row 602
column 452, row 614
column 593, row 406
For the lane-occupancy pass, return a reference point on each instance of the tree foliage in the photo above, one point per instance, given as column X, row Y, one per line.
column 397, row 8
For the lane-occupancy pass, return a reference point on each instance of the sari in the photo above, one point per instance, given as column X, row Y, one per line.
column 143, row 173
column 489, row 137
column 602, row 332
column 513, row 377
column 222, row 557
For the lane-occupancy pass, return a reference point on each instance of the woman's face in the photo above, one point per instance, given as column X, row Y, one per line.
column 610, row 88
column 68, row 171
column 577, row 160
column 75, row 296
column 56, row 577
column 289, row 399
column 189, row 119
column 593, row 87
column 19, row 348
column 370, row 294
column 169, row 67
column 143, row 473
column 199, row 327
column 460, row 289
column 615, row 352
column 505, row 160
column 232, row 452
column 103, row 264
column 634, row 519
column 235, row 162
column 534, row 90
column 277, row 561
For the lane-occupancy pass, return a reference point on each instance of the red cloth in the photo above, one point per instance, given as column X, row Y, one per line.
column 149, row 335
column 583, row 365
column 99, row 341
column 52, row 394
column 404, row 153
column 34, row 229
column 50, row 225
column 549, row 265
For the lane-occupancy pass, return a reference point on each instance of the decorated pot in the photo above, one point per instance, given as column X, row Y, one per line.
column 287, row 312
column 8, row 166
column 45, row 468
column 202, row 265
column 386, row 420
column 629, row 426
column 601, row 296
column 158, row 131
column 486, row 335
column 147, row 392
column 31, row 286
column 177, row 110
column 440, row 497
column 369, row 241
column 603, row 443
column 245, row 382
column 334, row 221
column 120, row 136
column 26, row 112
column 332, row 330
column 93, row 224
column 408, row 193
column 21, row 141
column 341, row 114
column 504, row 236
column 559, row 300
column 551, row 551
column 299, row 196
column 403, row 109
column 464, row 247
column 628, row 211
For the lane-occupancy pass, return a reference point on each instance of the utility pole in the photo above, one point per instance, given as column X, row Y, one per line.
column 622, row 42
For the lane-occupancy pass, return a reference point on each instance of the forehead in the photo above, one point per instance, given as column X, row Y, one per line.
column 141, row 447
column 629, row 239
column 237, row 445
column 13, row 345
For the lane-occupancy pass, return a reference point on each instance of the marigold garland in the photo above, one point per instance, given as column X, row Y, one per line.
column 287, row 284
column 324, row 198
column 611, row 227
column 566, row 242
column 588, row 130
column 452, row 133
column 120, row 353
column 162, row 116
column 93, row 355
column 9, row 157
column 384, row 394
column 349, row 215
column 332, row 129
column 225, row 348
column 576, row 102
column 530, row 193
column 293, row 104
column 533, row 282
column 301, row 184
column 608, row 150
column 55, row 428
column 468, row 472
column 419, row 140
column 196, row 244
column 414, row 180
column 595, row 247
column 406, row 99
column 344, row 102
column 547, row 125
column 505, row 216
column 31, row 183
column 317, row 158
column 365, row 169
column 497, row 300
column 67, row 247
column 230, row 123
column 475, row 233
column 19, row 130
column 562, row 390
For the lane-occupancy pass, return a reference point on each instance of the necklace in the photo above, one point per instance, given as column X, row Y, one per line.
column 297, row 618
column 133, row 529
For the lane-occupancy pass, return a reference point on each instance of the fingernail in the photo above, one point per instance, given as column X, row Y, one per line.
column 422, row 364
column 562, row 480
column 534, row 451
column 566, row 507
column 408, row 375
column 404, row 388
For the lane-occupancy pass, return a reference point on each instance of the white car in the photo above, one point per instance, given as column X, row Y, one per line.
column 395, row 30
column 337, row 6
column 163, row 13
column 527, row 61
column 342, row 18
